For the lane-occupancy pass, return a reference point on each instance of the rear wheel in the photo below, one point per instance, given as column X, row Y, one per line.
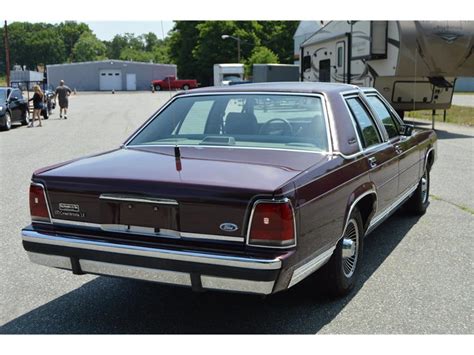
column 7, row 122
column 185, row 87
column 419, row 201
column 342, row 268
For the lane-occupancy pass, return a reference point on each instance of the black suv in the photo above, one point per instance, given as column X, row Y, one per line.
column 13, row 108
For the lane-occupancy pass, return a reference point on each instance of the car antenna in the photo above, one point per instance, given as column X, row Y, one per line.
column 177, row 156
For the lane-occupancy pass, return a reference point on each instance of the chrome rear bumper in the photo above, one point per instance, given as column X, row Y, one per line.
column 178, row 267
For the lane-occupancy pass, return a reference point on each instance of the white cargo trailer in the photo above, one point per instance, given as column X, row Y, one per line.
column 414, row 64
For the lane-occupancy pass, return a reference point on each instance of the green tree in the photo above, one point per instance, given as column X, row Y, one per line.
column 88, row 48
column 114, row 47
column 70, row 32
column 196, row 46
column 278, row 36
column 32, row 45
column 136, row 55
column 260, row 55
column 151, row 41
column 183, row 38
column 161, row 53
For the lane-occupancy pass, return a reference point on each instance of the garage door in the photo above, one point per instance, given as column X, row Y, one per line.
column 110, row 79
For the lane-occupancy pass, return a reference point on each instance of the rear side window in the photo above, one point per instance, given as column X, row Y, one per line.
column 391, row 125
column 365, row 125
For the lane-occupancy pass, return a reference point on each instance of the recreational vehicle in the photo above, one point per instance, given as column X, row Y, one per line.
column 414, row 64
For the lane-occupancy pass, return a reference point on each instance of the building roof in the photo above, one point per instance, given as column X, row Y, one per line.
column 111, row 61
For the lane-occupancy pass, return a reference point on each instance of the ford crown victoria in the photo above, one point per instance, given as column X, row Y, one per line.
column 249, row 188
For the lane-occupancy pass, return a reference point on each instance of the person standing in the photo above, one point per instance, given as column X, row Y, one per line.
column 37, row 99
column 62, row 93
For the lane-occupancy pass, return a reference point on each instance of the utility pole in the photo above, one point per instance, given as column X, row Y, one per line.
column 7, row 54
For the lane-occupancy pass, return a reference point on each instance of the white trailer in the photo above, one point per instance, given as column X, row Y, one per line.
column 224, row 74
column 413, row 64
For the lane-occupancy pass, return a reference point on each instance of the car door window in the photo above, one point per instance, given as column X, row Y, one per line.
column 365, row 125
column 16, row 94
column 391, row 125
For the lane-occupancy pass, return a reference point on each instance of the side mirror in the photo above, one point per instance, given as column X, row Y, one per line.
column 406, row 130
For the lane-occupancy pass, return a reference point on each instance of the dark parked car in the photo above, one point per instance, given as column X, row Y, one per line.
column 247, row 188
column 13, row 108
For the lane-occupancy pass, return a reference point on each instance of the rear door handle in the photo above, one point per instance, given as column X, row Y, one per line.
column 372, row 162
column 398, row 149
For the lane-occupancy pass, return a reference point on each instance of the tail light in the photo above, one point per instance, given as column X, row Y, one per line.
column 38, row 205
column 272, row 224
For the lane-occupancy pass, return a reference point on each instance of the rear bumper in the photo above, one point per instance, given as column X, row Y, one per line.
column 197, row 270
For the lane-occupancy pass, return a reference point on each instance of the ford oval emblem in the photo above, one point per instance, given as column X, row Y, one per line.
column 228, row 227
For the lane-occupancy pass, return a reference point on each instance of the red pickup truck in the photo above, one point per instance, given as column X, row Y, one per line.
column 170, row 82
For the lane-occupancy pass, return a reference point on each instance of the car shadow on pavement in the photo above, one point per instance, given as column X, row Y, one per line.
column 451, row 135
column 441, row 134
column 108, row 305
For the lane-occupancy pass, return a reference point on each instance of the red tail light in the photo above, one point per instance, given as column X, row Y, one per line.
column 38, row 205
column 272, row 224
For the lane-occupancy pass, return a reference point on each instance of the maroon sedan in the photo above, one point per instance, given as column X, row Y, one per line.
column 247, row 188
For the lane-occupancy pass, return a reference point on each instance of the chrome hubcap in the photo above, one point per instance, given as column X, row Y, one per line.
column 350, row 248
column 424, row 187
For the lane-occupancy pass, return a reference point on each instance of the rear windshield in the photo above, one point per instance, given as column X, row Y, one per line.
column 243, row 120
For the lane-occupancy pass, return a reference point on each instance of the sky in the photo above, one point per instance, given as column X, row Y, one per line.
column 106, row 30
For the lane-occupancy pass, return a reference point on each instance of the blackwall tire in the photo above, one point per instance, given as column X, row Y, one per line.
column 157, row 88
column 342, row 271
column 186, row 87
column 7, row 122
column 25, row 119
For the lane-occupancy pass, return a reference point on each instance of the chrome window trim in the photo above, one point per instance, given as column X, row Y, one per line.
column 274, row 93
column 249, row 227
column 180, row 255
column 138, row 199
column 164, row 233
column 387, row 104
column 229, row 147
column 381, row 134
column 344, row 96
column 376, row 119
column 391, row 111
column 45, row 200
column 328, row 113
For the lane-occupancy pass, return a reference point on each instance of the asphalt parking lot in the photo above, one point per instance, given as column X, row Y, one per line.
column 416, row 276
